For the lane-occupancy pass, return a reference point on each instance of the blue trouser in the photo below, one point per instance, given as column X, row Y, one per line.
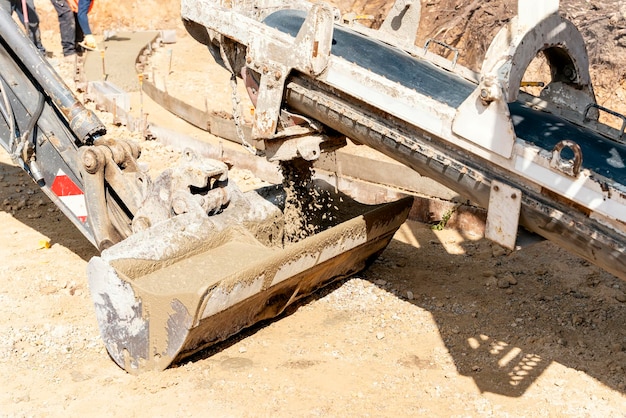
column 33, row 20
column 81, row 15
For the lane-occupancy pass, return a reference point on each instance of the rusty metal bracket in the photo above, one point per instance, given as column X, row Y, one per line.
column 571, row 167
column 269, row 100
column 505, row 205
column 309, row 53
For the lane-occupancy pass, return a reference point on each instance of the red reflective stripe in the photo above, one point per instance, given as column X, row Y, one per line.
column 71, row 195
column 64, row 186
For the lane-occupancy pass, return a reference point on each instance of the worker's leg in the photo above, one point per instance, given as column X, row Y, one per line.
column 67, row 26
column 80, row 36
column 89, row 42
column 83, row 19
column 33, row 22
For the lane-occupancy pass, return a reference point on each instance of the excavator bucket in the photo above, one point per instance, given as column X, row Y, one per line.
column 191, row 281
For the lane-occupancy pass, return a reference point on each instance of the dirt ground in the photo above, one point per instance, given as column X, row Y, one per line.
column 443, row 324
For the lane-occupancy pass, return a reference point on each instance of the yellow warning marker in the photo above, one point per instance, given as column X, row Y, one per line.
column 532, row 84
column 104, row 72
column 44, row 244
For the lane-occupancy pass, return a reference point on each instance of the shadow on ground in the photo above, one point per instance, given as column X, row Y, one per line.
column 505, row 317
column 22, row 198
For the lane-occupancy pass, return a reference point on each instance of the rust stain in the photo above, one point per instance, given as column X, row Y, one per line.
column 558, row 198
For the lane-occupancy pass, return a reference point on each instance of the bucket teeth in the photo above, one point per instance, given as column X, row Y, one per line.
column 192, row 281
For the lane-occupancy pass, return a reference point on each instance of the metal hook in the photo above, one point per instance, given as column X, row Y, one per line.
column 570, row 167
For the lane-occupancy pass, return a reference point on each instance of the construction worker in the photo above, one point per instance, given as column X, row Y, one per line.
column 31, row 22
column 81, row 9
column 67, row 27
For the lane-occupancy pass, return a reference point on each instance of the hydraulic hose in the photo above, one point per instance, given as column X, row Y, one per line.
column 83, row 122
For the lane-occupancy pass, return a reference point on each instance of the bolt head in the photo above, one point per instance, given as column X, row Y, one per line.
column 90, row 161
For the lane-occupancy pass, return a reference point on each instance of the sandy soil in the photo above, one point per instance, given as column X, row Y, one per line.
column 443, row 324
